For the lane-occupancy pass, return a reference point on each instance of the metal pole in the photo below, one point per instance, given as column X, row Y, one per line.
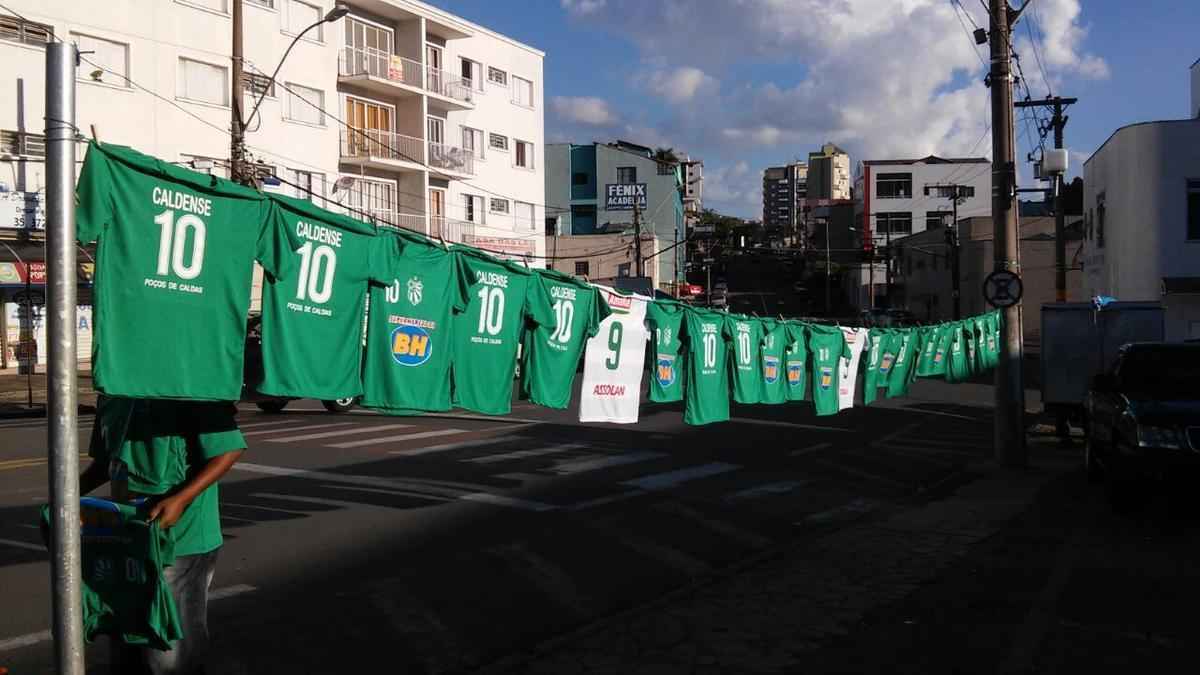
column 61, row 400
column 237, row 136
column 637, row 235
column 955, row 281
column 827, row 302
column 1060, row 242
column 1010, row 389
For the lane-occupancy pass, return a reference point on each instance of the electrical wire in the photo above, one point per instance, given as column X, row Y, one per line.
column 956, row 4
column 1036, row 55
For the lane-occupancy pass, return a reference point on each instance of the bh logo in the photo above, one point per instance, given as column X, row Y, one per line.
column 885, row 364
column 410, row 345
column 771, row 370
column 415, row 290
column 795, row 373
column 826, row 377
column 664, row 371
column 941, row 353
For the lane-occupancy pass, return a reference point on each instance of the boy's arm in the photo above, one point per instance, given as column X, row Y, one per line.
column 168, row 510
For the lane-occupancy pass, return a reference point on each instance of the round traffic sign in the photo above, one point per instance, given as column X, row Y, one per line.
column 1003, row 288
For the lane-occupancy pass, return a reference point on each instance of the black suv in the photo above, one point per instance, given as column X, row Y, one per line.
column 252, row 375
column 1143, row 415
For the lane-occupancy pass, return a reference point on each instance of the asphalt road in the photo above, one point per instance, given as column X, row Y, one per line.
column 444, row 543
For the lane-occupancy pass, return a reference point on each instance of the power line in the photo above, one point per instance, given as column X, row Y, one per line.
column 957, row 4
column 1036, row 55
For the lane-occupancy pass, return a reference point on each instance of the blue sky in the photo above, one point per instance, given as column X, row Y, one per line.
column 745, row 84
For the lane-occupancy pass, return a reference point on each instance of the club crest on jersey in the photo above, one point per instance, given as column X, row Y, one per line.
column 795, row 373
column 939, row 355
column 885, row 364
column 415, row 290
column 771, row 370
column 410, row 345
column 664, row 371
column 826, row 377
column 991, row 343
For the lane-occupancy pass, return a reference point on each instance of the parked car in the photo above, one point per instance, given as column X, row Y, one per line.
column 1143, row 416
column 252, row 376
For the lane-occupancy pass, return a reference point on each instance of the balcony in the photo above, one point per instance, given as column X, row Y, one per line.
column 383, row 150
column 451, row 161
column 380, row 71
column 448, row 91
column 449, row 229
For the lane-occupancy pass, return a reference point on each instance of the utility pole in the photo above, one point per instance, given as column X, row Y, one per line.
column 957, row 193
column 1010, row 387
column 237, row 127
column 1058, row 122
column 637, row 235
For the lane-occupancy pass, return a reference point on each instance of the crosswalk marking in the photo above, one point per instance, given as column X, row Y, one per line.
column 522, row 454
column 572, row 467
column 670, row 479
column 811, row 448
column 23, row 545
column 512, row 502
column 266, row 424
column 299, row 428
column 269, row 509
column 320, row 501
column 782, row 487
column 789, row 425
column 608, row 499
column 446, row 447
column 386, row 491
column 401, row 437
column 340, row 432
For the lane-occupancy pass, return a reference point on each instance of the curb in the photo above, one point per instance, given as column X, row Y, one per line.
column 38, row 411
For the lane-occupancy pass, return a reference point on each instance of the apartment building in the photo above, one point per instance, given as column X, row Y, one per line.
column 398, row 110
column 693, row 189
column 829, row 173
column 785, row 190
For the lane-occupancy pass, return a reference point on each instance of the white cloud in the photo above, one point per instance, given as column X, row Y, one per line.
column 587, row 110
column 1062, row 37
column 678, row 85
column 733, row 184
column 583, row 7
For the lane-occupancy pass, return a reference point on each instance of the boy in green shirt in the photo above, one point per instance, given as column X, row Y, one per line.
column 171, row 455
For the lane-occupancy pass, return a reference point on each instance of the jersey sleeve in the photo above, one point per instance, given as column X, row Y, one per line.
column 463, row 281
column 215, row 430
column 93, row 196
column 538, row 307
column 600, row 312
column 276, row 241
column 379, row 258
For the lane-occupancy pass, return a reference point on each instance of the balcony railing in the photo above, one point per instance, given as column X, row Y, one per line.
column 378, row 63
column 451, row 158
column 449, row 229
column 365, row 143
column 449, row 85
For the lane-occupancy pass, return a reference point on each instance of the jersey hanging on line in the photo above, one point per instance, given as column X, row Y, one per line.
column 876, row 339
column 956, row 368
column 903, row 371
column 828, row 348
column 410, row 325
column 550, row 356
column 506, row 298
column 775, row 342
column 745, row 337
column 856, row 342
column 614, row 361
column 707, row 393
column 311, row 315
column 796, row 360
column 173, row 273
column 667, row 355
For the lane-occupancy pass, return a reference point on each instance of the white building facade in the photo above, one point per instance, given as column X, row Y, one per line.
column 895, row 198
column 400, row 110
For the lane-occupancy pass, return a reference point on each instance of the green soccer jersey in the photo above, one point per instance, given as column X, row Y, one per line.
column 410, row 325
column 174, row 262
column 506, row 298
column 971, row 342
column 956, row 368
column 707, row 394
column 775, row 343
column 666, row 321
column 878, row 342
column 935, row 358
column 903, row 370
column 311, row 315
column 991, row 339
column 745, row 336
column 550, row 355
column 124, row 594
column 828, row 347
column 796, row 360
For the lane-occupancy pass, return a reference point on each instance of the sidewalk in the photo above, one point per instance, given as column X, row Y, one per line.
column 1011, row 573
column 14, row 392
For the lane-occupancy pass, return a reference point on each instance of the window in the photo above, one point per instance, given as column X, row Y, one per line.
column 936, row 219
column 579, row 178
column 626, row 174
column 893, row 185
column 523, row 216
column 368, row 50
column 473, row 141
column 623, row 269
column 497, row 76
column 307, row 185
column 221, row 6
column 255, row 85
column 14, row 29
column 1100, row 220
column 305, row 105
column 269, row 4
column 498, row 205
column 301, row 15
column 22, row 144
column 665, row 169
column 522, row 91
column 472, row 73
column 524, row 155
column 898, row 223
column 204, row 82
column 581, row 268
column 111, row 59
column 367, row 198
column 498, row 142
column 1193, row 209
column 473, row 209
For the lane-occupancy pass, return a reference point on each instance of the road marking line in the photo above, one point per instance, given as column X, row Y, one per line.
column 31, row 639
column 811, row 448
column 263, row 508
column 610, row 499
column 400, row 437
column 20, row 544
column 226, row 516
column 512, row 502
column 522, row 454
column 789, row 425
column 573, row 467
column 941, row 414
column 340, row 432
column 895, row 434
column 670, row 479
column 854, row 507
column 310, row 500
column 300, row 428
column 782, row 487
column 384, row 491
column 265, row 424
column 721, row 527
column 455, row 446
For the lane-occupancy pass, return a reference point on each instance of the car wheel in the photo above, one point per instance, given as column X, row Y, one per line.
column 1090, row 463
column 273, row 406
column 340, row 405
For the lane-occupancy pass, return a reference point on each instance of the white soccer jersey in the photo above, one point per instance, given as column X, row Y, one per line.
column 856, row 340
column 614, row 362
